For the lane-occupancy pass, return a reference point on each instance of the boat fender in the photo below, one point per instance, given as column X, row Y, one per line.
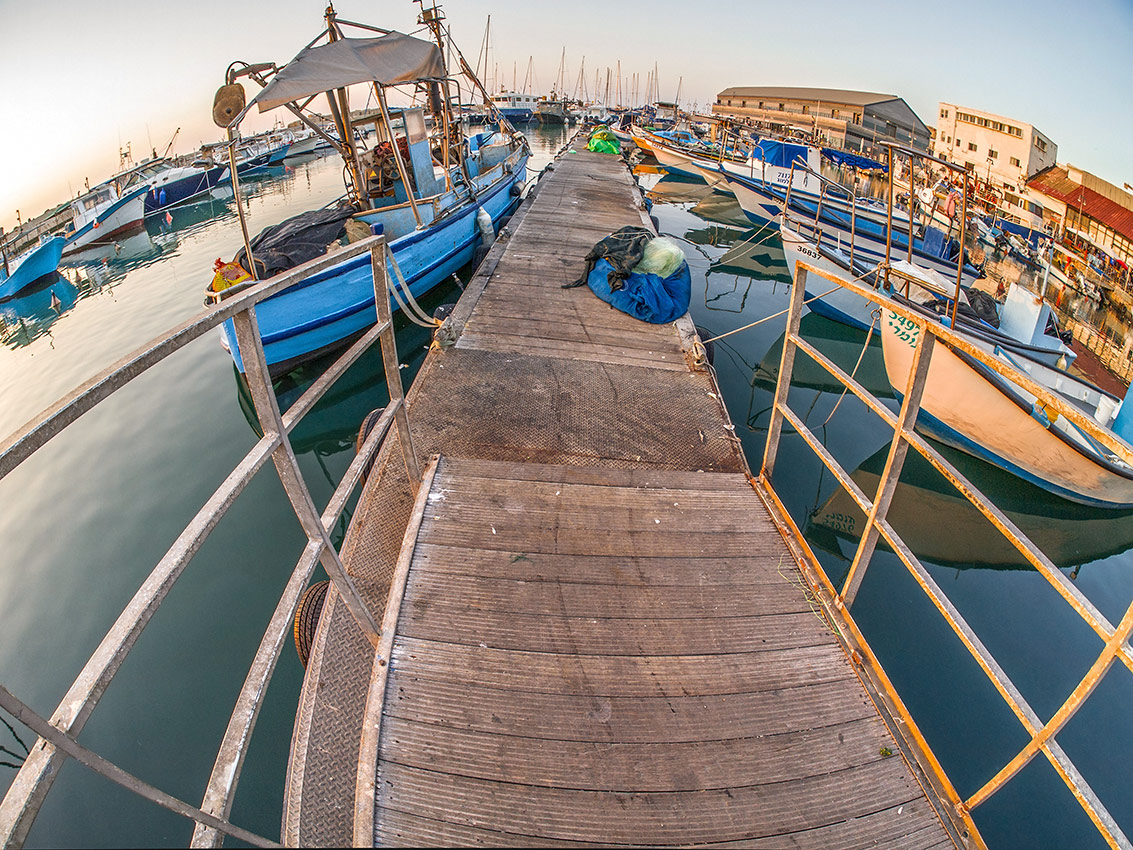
column 516, row 189
column 307, row 618
column 363, row 432
column 1043, row 414
column 484, row 222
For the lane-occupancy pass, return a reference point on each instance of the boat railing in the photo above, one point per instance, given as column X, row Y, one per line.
column 826, row 186
column 925, row 334
column 58, row 735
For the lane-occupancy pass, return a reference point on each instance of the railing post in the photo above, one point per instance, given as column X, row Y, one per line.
column 392, row 367
column 786, row 366
column 286, row 464
column 910, row 406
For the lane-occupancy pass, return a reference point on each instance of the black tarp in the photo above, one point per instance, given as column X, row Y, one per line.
column 296, row 240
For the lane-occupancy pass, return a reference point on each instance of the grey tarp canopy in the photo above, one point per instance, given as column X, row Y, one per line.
column 388, row 59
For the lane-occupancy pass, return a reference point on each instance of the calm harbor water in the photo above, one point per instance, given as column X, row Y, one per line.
column 87, row 517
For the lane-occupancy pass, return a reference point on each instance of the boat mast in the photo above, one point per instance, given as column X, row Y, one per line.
column 340, row 112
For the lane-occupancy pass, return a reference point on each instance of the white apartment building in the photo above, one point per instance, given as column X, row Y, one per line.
column 1002, row 151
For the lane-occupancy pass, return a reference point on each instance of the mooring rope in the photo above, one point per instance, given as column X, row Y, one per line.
column 876, row 314
column 409, row 306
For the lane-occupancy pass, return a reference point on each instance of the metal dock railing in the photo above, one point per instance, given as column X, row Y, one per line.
column 839, row 601
column 59, row 733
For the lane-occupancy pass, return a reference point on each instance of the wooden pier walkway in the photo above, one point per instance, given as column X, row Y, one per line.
column 596, row 634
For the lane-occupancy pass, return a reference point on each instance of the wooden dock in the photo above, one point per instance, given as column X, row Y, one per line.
column 594, row 632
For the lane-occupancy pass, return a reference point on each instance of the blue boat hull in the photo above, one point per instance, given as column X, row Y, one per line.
column 181, row 191
column 42, row 261
column 329, row 308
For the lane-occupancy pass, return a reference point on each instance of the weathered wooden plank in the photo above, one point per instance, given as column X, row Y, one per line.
column 655, row 718
column 616, row 515
column 654, row 818
column 886, row 828
column 464, row 622
column 665, row 479
column 552, row 329
column 505, row 497
column 635, row 767
column 613, row 355
column 729, row 575
column 513, row 534
column 566, row 599
column 676, row 675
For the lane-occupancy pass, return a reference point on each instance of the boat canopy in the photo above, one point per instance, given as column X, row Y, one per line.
column 387, row 60
column 854, row 160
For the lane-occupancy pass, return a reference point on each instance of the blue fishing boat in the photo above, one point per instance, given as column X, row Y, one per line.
column 433, row 218
column 30, row 266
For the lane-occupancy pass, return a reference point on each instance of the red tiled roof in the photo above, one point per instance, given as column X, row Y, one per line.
column 1054, row 181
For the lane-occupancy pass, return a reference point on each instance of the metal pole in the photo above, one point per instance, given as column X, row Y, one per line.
column 239, row 205
column 963, row 239
column 389, row 360
column 786, row 366
column 286, row 464
column 898, row 449
column 889, row 219
column 397, row 153
column 912, row 200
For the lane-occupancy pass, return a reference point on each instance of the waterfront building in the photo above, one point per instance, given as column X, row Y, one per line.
column 853, row 120
column 1003, row 153
column 1093, row 217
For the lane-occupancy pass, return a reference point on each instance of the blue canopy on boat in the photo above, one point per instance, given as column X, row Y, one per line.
column 854, row 160
column 782, row 154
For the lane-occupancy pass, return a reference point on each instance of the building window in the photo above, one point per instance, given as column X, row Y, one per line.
column 993, row 154
column 806, row 109
column 780, row 107
column 761, row 104
column 743, row 103
column 857, row 118
column 1040, row 144
column 944, row 113
column 971, row 166
column 833, row 113
column 1015, row 162
column 971, row 146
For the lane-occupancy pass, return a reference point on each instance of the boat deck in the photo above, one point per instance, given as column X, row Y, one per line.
column 596, row 633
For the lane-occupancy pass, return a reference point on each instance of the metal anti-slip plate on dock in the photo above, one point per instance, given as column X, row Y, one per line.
column 599, row 634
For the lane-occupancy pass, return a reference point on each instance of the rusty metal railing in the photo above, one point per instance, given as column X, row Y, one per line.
column 58, row 735
column 1116, row 647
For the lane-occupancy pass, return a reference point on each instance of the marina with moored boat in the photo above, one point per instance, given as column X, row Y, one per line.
column 664, row 478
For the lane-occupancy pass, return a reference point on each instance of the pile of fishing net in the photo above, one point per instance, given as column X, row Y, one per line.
column 603, row 141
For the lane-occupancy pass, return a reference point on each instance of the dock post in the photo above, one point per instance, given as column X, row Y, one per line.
column 287, row 466
column 786, row 366
column 378, row 257
column 898, row 449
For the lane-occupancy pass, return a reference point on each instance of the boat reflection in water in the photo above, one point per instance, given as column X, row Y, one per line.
column 124, row 254
column 942, row 527
column 848, row 347
column 30, row 315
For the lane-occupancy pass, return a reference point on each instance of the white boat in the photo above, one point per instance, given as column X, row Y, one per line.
column 104, row 213
column 969, row 406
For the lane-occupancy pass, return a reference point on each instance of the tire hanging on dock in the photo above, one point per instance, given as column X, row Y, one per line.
column 363, row 432
column 307, row 618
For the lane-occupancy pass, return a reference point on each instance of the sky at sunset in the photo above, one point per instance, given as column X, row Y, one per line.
column 81, row 79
